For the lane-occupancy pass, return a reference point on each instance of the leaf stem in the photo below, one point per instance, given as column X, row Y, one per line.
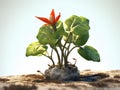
column 64, row 52
column 57, row 56
column 71, row 50
column 50, row 57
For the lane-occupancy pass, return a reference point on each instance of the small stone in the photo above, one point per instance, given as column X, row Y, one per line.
column 70, row 73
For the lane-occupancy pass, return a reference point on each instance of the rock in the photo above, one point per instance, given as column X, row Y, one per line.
column 70, row 73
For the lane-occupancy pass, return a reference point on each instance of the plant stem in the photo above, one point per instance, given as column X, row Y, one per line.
column 64, row 52
column 57, row 56
column 71, row 50
column 61, row 54
column 51, row 53
column 50, row 59
column 59, row 61
column 68, row 48
column 54, row 28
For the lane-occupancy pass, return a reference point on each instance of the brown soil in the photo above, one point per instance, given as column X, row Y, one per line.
column 94, row 80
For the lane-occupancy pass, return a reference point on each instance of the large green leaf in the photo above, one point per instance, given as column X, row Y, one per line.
column 89, row 53
column 60, row 30
column 71, row 22
column 79, row 30
column 81, row 40
column 35, row 49
column 46, row 35
column 79, row 27
column 83, row 53
column 78, row 40
column 50, row 35
column 74, row 21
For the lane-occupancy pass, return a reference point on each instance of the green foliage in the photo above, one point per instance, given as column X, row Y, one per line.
column 60, row 29
column 74, row 21
column 36, row 49
column 60, row 36
column 89, row 53
column 79, row 27
column 46, row 35
column 50, row 35
column 81, row 40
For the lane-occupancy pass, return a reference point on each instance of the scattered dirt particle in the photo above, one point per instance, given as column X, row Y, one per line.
column 72, row 85
column 20, row 87
column 34, row 76
column 52, row 89
column 93, row 77
column 117, row 76
column 112, row 80
column 103, row 75
column 47, row 81
column 3, row 79
column 98, row 84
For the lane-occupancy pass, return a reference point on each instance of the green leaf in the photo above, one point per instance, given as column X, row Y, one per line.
column 81, row 40
column 79, row 27
column 71, row 22
column 36, row 49
column 78, row 40
column 89, row 53
column 79, row 30
column 74, row 21
column 60, row 30
column 46, row 35
column 83, row 53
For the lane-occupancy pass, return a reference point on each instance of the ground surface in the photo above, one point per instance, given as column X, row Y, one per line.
column 89, row 80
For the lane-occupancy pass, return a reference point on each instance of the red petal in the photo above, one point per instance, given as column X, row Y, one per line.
column 57, row 18
column 44, row 19
column 52, row 15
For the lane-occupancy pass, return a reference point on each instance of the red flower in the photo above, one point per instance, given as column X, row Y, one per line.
column 52, row 19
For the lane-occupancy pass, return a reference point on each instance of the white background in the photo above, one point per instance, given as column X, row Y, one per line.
column 19, row 27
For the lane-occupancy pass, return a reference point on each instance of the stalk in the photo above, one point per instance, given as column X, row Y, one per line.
column 59, row 62
column 64, row 52
column 50, row 59
column 57, row 56
column 70, row 51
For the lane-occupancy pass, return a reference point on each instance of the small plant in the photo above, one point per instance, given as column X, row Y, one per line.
column 63, row 38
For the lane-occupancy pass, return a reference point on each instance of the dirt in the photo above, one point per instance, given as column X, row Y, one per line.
column 89, row 80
